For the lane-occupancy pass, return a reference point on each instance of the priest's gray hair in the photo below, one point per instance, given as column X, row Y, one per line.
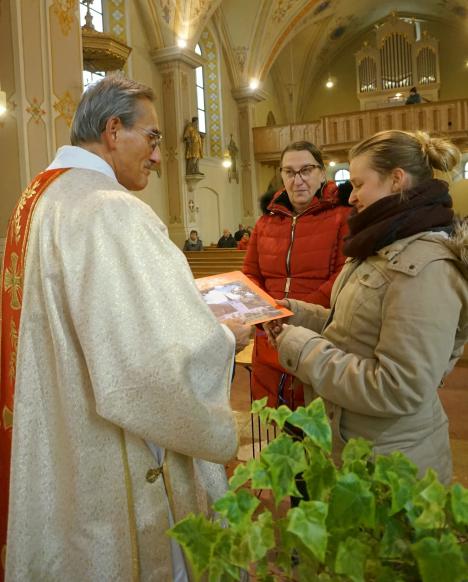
column 114, row 96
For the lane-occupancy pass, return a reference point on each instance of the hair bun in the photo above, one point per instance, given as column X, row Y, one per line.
column 440, row 153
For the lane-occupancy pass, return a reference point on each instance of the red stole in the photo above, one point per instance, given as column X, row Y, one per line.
column 11, row 301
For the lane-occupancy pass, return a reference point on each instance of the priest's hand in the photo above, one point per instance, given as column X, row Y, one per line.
column 241, row 332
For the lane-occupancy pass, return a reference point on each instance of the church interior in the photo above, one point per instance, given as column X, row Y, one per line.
column 258, row 74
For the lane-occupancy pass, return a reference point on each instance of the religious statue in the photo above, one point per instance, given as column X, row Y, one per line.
column 233, row 151
column 193, row 147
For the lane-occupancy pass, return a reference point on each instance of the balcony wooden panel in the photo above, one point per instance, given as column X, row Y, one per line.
column 335, row 134
column 306, row 132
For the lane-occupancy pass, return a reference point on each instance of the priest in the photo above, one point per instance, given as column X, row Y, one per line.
column 115, row 375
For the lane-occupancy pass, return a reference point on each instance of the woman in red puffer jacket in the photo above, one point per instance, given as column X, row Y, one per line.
column 295, row 251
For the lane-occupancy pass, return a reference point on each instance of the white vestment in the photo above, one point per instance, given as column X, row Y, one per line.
column 116, row 349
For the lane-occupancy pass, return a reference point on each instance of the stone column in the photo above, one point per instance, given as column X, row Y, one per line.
column 177, row 67
column 41, row 73
column 246, row 101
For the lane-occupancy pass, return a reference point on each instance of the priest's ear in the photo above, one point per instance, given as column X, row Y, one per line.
column 111, row 130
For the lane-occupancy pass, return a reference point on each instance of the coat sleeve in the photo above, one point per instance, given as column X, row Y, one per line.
column 251, row 266
column 158, row 361
column 337, row 259
column 308, row 315
column 410, row 358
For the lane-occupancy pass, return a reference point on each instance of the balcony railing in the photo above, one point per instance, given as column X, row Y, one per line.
column 335, row 134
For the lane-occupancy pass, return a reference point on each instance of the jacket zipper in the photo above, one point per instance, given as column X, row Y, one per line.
column 288, row 257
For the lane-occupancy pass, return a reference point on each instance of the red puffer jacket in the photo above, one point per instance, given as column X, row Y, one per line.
column 297, row 256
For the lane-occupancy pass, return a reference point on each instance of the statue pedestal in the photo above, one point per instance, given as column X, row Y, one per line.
column 192, row 180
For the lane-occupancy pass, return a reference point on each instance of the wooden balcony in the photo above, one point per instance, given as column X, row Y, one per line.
column 335, row 134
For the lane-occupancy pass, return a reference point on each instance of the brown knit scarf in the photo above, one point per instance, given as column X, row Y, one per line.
column 427, row 206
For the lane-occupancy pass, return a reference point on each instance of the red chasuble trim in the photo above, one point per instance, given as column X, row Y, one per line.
column 11, row 300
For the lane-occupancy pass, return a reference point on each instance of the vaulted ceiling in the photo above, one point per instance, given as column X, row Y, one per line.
column 290, row 39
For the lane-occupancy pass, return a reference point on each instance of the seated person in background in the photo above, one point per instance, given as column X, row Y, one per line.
column 193, row 243
column 238, row 234
column 244, row 241
column 413, row 97
column 227, row 241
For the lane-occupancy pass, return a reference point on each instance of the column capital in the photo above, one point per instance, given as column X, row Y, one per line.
column 175, row 54
column 245, row 94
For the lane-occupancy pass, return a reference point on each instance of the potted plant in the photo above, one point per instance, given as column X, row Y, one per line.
column 370, row 519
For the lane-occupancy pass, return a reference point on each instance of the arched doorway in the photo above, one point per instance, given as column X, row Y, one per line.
column 208, row 219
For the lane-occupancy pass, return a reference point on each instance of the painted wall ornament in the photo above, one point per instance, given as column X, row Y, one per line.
column 65, row 12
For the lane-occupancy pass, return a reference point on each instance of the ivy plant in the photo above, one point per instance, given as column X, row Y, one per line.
column 370, row 519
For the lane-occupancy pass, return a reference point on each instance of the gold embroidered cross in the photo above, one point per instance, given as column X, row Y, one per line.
column 13, row 281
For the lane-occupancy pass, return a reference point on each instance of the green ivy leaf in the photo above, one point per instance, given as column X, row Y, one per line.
column 459, row 503
column 285, row 459
column 313, row 421
column 261, row 477
column 258, row 405
column 351, row 503
column 386, row 574
column 264, row 416
column 240, row 549
column 237, row 507
column 241, row 475
column 198, row 537
column 262, row 536
column 426, row 510
column 433, row 515
column 307, row 522
column 356, row 450
column 320, row 475
column 440, row 561
column 402, row 491
column 221, row 567
column 396, row 464
column 286, row 546
column 251, row 543
column 351, row 559
column 280, row 415
column 394, row 542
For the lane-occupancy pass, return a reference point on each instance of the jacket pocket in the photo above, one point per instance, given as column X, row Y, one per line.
column 371, row 278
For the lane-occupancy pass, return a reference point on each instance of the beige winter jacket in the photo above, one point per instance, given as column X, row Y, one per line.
column 397, row 325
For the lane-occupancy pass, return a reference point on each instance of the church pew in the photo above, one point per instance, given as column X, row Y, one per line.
column 216, row 261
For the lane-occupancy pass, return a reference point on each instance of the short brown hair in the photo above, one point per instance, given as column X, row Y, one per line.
column 299, row 146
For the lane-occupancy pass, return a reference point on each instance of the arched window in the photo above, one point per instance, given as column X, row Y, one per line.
column 200, row 83
column 341, row 176
column 95, row 10
column 465, row 171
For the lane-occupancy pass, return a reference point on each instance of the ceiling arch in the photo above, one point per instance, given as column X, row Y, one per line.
column 257, row 35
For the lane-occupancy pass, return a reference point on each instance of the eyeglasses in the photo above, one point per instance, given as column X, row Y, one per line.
column 155, row 137
column 305, row 172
